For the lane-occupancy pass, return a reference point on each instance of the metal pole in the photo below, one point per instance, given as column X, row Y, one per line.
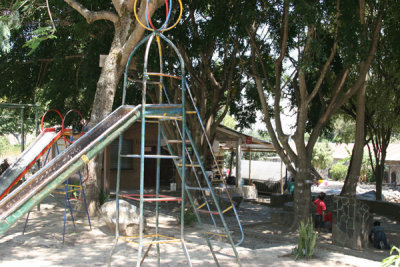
column 281, row 178
column 250, row 182
column 158, row 150
column 22, row 130
column 142, row 148
column 36, row 121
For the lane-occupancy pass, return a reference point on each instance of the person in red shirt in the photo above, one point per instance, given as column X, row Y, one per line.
column 319, row 204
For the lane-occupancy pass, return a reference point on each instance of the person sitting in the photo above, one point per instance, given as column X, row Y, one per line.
column 377, row 237
column 4, row 166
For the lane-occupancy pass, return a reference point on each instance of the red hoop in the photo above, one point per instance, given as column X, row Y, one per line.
column 44, row 115
column 82, row 121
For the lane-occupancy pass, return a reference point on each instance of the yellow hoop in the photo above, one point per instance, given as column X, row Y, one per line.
column 150, row 29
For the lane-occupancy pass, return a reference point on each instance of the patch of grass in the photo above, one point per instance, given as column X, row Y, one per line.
column 6, row 149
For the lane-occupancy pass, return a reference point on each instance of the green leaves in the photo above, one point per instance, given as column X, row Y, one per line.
column 306, row 242
column 393, row 260
column 5, row 34
column 8, row 22
column 322, row 156
column 38, row 36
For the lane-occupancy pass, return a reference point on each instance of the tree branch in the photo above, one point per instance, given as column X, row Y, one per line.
column 137, row 33
column 329, row 61
column 92, row 16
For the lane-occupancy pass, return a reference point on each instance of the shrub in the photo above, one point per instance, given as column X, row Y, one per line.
column 338, row 171
column 322, row 156
column 103, row 196
column 307, row 239
column 189, row 217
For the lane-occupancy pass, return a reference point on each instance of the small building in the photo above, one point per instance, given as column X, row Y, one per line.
column 392, row 162
column 392, row 165
column 226, row 140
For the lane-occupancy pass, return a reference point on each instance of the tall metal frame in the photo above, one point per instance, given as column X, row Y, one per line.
column 184, row 161
column 22, row 108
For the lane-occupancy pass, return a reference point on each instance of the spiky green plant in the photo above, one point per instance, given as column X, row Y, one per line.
column 393, row 260
column 189, row 218
column 306, row 242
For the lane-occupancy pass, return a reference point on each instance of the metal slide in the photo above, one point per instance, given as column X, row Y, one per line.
column 40, row 185
column 25, row 161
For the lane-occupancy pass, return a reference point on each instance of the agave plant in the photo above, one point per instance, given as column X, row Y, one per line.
column 393, row 259
column 306, row 242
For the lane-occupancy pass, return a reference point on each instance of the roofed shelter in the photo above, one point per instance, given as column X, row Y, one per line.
column 231, row 140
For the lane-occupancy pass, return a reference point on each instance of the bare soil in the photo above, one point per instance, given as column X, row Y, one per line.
column 265, row 243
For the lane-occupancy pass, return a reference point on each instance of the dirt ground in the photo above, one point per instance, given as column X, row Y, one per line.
column 265, row 243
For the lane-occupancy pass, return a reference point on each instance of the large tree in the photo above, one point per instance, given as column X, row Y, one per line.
column 383, row 98
column 317, row 44
column 126, row 34
column 209, row 40
column 381, row 105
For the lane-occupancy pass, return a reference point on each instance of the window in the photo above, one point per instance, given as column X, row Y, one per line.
column 127, row 148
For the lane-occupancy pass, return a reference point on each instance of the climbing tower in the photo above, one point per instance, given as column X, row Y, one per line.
column 198, row 190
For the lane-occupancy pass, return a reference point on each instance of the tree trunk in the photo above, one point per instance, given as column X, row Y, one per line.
column 379, row 171
column 353, row 173
column 102, row 106
column 302, row 193
column 126, row 36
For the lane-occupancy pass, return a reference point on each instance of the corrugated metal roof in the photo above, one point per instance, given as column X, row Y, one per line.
column 227, row 138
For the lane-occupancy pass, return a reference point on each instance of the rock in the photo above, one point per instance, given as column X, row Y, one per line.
column 128, row 217
column 249, row 192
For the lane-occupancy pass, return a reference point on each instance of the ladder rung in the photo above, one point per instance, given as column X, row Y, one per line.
column 163, row 106
column 190, row 165
column 149, row 121
column 198, row 188
column 151, row 156
column 140, row 81
column 74, row 198
column 151, row 197
column 202, row 205
column 163, row 75
column 177, row 141
column 227, row 209
column 178, row 117
column 166, row 239
column 208, row 212
column 191, row 112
